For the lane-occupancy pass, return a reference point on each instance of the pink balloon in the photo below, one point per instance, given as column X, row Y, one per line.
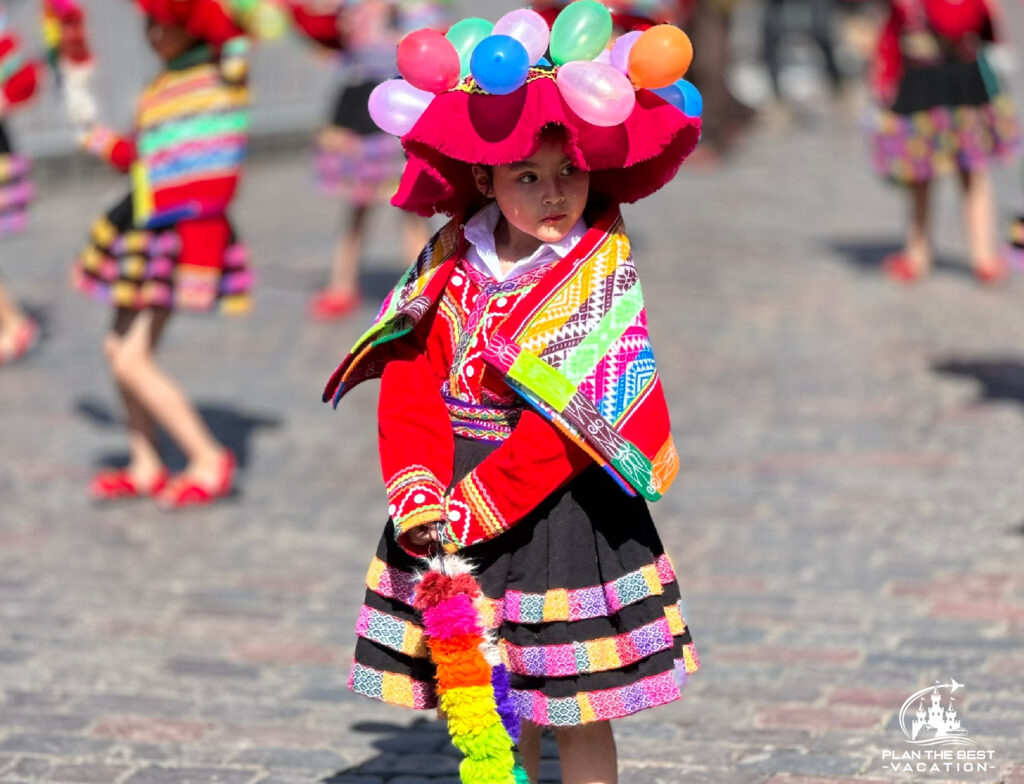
column 395, row 105
column 605, row 57
column 620, row 50
column 599, row 93
column 428, row 60
column 529, row 28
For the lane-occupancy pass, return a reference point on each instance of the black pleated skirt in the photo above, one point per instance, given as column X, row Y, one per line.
column 582, row 597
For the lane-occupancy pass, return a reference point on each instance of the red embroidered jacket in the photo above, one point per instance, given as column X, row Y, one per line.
column 556, row 364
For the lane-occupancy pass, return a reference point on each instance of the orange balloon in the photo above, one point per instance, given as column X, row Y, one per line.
column 660, row 57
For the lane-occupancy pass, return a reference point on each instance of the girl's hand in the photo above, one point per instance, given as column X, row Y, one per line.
column 423, row 535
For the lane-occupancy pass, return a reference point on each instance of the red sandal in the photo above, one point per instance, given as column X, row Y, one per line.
column 994, row 272
column 26, row 338
column 898, row 266
column 118, row 484
column 182, row 491
column 328, row 305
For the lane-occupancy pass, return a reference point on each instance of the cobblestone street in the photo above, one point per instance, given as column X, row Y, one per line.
column 848, row 524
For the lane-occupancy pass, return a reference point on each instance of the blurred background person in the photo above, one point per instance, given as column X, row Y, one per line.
column 355, row 160
column 18, row 331
column 819, row 29
column 943, row 110
column 725, row 117
column 168, row 245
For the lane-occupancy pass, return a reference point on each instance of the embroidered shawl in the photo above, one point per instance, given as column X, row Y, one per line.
column 576, row 348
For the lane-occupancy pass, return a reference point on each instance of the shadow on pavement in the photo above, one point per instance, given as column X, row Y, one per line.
column 999, row 378
column 867, row 256
column 420, row 753
column 231, row 427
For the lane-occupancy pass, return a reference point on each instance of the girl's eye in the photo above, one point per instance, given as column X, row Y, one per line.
column 568, row 171
column 527, row 179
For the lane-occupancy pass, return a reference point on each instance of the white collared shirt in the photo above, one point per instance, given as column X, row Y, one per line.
column 483, row 257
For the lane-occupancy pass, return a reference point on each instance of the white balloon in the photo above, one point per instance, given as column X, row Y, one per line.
column 597, row 92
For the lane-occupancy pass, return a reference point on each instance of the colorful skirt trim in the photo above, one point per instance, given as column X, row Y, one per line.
column 361, row 169
column 917, row 147
column 137, row 269
column 16, row 193
column 580, row 595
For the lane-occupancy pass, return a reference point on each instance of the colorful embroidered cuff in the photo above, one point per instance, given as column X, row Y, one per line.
column 470, row 514
column 415, row 498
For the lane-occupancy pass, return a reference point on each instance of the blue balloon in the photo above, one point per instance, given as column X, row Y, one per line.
column 694, row 104
column 500, row 64
column 673, row 95
column 684, row 96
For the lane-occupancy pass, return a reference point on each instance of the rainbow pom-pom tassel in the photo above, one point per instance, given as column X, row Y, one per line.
column 472, row 683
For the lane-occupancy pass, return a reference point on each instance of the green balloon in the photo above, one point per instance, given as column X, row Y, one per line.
column 465, row 35
column 581, row 32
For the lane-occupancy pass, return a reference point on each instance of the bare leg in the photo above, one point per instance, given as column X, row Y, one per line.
column 344, row 278
column 11, row 318
column 136, row 370
column 979, row 212
column 144, row 462
column 414, row 236
column 918, row 246
column 529, row 749
column 588, row 754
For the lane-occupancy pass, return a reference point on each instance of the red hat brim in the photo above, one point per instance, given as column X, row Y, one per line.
column 204, row 19
column 465, row 126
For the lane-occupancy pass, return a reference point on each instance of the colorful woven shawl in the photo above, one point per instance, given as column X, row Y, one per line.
column 576, row 348
column 192, row 135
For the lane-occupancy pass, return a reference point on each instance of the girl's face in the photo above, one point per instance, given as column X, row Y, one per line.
column 542, row 196
column 168, row 41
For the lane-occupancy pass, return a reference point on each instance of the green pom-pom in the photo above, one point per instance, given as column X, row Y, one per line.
column 519, row 773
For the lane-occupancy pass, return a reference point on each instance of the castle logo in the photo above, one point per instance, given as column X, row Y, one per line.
column 938, row 742
column 926, row 721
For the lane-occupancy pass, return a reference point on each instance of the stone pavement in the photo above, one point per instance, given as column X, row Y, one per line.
column 847, row 524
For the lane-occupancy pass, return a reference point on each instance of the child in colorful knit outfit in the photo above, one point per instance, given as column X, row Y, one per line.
column 355, row 160
column 169, row 245
column 944, row 111
column 18, row 331
column 522, row 421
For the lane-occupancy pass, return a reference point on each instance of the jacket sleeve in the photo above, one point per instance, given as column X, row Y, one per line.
column 532, row 463
column 417, row 448
column 118, row 151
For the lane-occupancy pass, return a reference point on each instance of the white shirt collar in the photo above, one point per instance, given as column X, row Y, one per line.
column 483, row 256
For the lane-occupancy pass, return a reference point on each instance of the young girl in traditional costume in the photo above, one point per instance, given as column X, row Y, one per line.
column 943, row 111
column 18, row 331
column 355, row 160
column 522, row 422
column 168, row 245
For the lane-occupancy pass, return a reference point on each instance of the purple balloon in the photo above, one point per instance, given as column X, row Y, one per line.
column 620, row 50
column 395, row 106
column 529, row 28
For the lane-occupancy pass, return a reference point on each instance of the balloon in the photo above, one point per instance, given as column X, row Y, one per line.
column 580, row 32
column 395, row 105
column 605, row 57
column 427, row 60
column 500, row 64
column 694, row 103
column 620, row 50
column 597, row 92
column 659, row 57
column 465, row 35
column 684, row 96
column 529, row 28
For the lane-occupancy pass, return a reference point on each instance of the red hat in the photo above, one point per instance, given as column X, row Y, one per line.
column 466, row 126
column 207, row 20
